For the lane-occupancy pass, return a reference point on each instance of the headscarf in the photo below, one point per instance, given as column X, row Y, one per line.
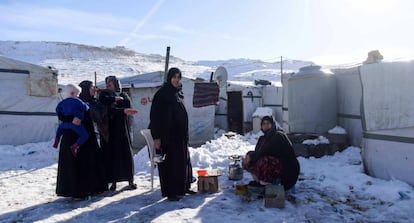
column 171, row 72
column 117, row 83
column 275, row 124
column 85, row 95
column 269, row 119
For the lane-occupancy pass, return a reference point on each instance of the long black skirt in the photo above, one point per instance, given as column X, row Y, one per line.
column 83, row 175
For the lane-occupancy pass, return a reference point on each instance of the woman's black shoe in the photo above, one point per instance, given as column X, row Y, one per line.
column 131, row 186
column 113, row 187
column 173, row 198
column 254, row 183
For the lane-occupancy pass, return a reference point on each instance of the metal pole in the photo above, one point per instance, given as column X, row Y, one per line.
column 281, row 65
column 167, row 60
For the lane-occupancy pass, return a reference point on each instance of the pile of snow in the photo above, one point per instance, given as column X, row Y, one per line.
column 317, row 141
column 262, row 112
column 337, row 130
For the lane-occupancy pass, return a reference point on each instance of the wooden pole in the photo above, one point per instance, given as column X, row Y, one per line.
column 167, row 60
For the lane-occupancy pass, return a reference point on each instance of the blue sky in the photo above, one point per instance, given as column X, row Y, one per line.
column 324, row 31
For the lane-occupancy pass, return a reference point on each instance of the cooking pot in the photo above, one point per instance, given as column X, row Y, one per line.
column 235, row 169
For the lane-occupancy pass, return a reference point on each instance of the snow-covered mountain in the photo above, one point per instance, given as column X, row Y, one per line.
column 76, row 62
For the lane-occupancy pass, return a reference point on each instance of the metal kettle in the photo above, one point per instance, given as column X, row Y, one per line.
column 235, row 169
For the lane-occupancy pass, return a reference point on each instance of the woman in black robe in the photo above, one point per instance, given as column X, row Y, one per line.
column 117, row 147
column 169, row 128
column 83, row 175
column 273, row 159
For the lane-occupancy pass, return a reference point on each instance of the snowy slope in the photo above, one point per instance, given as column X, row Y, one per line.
column 78, row 62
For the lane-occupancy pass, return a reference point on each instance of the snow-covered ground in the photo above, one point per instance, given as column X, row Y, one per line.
column 330, row 189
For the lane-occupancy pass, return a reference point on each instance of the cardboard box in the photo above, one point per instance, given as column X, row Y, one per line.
column 274, row 196
column 207, row 184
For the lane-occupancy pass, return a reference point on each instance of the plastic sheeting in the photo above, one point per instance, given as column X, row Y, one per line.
column 349, row 94
column 389, row 154
column 142, row 89
column 388, row 91
column 388, row 118
column 27, row 102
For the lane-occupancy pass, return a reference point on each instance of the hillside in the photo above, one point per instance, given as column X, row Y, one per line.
column 76, row 62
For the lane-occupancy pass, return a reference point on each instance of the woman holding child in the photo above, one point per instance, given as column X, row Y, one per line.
column 81, row 173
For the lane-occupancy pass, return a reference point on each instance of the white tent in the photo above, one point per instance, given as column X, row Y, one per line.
column 27, row 102
column 349, row 94
column 141, row 89
column 285, row 104
column 388, row 120
column 242, row 100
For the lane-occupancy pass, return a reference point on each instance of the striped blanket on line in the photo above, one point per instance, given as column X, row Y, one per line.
column 205, row 94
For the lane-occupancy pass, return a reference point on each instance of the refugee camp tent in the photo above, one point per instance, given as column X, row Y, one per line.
column 349, row 94
column 243, row 99
column 239, row 100
column 285, row 104
column 27, row 102
column 388, row 120
column 141, row 89
column 273, row 98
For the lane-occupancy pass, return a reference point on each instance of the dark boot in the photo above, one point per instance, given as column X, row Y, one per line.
column 113, row 186
column 173, row 198
column 131, row 186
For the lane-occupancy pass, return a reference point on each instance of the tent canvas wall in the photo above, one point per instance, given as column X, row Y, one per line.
column 388, row 120
column 141, row 88
column 273, row 98
column 27, row 102
column 349, row 94
column 285, row 104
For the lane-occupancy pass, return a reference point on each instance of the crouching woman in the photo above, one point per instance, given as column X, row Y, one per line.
column 273, row 159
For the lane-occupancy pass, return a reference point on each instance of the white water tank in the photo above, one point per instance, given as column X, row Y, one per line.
column 312, row 100
column 220, row 120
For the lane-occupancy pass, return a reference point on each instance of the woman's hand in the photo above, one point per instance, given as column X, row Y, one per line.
column 130, row 111
column 245, row 161
column 118, row 98
column 157, row 143
column 76, row 121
